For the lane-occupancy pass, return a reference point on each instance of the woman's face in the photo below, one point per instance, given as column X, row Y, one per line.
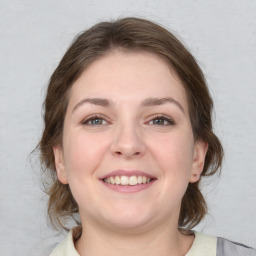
column 128, row 150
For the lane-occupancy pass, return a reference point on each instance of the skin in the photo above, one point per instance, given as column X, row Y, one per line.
column 131, row 136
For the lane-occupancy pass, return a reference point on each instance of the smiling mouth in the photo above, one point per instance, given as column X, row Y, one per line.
column 127, row 180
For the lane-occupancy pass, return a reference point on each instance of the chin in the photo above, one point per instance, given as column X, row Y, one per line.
column 129, row 219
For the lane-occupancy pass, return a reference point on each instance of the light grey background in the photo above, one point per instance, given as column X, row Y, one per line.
column 34, row 36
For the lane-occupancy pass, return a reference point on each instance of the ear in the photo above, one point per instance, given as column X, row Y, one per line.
column 59, row 164
column 200, row 150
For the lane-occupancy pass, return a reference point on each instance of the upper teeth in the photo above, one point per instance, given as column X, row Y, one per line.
column 125, row 180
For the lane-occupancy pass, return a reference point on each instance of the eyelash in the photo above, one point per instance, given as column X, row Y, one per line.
column 93, row 118
column 169, row 120
column 157, row 117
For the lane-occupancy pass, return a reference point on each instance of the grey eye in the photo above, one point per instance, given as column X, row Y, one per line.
column 94, row 121
column 161, row 120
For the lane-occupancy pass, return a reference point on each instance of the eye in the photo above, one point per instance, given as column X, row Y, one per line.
column 161, row 120
column 94, row 121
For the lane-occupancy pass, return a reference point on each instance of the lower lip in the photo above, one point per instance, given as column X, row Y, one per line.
column 129, row 188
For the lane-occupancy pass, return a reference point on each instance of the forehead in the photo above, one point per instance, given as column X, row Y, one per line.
column 128, row 76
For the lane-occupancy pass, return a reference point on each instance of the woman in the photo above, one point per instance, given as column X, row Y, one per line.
column 128, row 136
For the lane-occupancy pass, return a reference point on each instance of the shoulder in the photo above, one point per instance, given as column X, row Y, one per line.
column 205, row 245
column 66, row 247
column 229, row 248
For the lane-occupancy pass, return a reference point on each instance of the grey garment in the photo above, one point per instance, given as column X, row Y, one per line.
column 228, row 248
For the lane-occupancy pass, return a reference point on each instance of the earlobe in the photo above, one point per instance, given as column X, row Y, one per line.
column 59, row 164
column 200, row 151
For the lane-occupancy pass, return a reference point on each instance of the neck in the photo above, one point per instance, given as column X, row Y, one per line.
column 163, row 240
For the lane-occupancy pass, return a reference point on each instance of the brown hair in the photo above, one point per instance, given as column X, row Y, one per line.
column 129, row 34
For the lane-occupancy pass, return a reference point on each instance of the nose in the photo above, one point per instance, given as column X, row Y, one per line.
column 128, row 142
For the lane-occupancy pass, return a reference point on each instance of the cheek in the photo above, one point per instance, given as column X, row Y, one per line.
column 83, row 155
column 174, row 157
column 83, row 152
column 175, row 154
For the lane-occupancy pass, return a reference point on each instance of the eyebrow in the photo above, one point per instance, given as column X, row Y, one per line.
column 95, row 101
column 148, row 102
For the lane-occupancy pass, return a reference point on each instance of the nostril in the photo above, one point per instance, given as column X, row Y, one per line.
column 119, row 153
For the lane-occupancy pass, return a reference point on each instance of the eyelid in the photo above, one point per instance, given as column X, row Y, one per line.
column 92, row 117
column 151, row 118
column 164, row 117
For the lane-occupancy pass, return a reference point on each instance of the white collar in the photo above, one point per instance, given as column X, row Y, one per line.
column 203, row 245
